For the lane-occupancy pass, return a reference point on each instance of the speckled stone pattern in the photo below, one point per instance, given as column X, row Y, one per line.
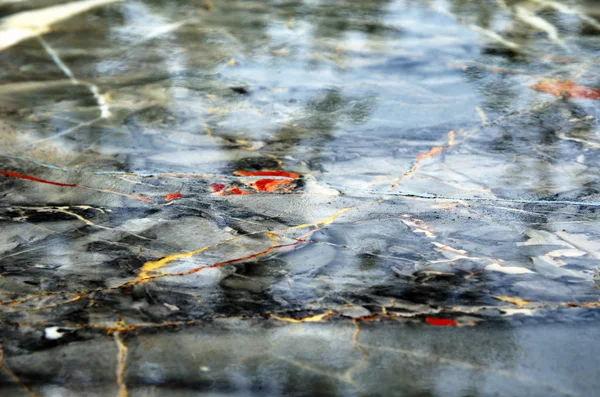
column 299, row 198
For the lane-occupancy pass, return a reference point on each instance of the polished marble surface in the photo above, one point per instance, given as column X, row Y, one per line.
column 286, row 197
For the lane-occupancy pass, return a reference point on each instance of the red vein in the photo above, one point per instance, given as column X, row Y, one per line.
column 34, row 179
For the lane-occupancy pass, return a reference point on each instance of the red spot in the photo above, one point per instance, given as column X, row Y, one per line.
column 568, row 88
column 267, row 173
column 34, row 179
column 172, row 196
column 440, row 322
column 217, row 187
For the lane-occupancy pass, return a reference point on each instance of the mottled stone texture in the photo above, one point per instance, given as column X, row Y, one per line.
column 299, row 198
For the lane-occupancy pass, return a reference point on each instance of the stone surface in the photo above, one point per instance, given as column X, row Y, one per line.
column 386, row 197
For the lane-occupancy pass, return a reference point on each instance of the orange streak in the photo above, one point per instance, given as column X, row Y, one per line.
column 146, row 199
column 432, row 152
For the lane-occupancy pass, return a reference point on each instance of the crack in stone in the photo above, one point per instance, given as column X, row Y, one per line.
column 64, row 210
column 14, row 376
column 39, row 308
column 328, row 314
column 121, row 364
column 310, row 368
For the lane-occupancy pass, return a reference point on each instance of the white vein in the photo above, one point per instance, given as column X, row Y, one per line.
column 538, row 23
column 27, row 24
column 100, row 99
column 69, row 130
column 569, row 11
column 495, row 37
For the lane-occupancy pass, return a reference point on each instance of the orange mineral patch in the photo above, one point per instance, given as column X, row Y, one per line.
column 172, row 196
column 271, row 185
column 565, row 87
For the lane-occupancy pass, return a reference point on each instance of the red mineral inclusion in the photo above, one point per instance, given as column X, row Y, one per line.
column 217, row 187
column 440, row 322
column 262, row 185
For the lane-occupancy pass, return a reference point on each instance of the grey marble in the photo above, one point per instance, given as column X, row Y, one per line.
column 299, row 198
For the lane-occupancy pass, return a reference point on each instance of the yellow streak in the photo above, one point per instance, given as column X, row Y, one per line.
column 206, row 129
column 451, row 136
column 274, row 237
column 516, row 301
column 35, row 309
column 154, row 265
column 162, row 262
column 121, row 364
column 312, row 319
column 326, row 221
